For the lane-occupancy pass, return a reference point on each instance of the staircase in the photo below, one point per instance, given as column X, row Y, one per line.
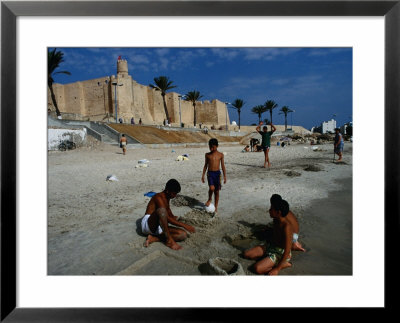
column 98, row 130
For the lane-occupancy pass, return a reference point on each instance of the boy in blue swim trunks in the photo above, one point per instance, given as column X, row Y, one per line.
column 277, row 254
column 212, row 163
column 266, row 141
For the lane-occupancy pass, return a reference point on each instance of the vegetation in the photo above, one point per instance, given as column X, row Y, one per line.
column 285, row 110
column 238, row 104
column 269, row 106
column 259, row 110
column 55, row 58
column 163, row 84
column 193, row 96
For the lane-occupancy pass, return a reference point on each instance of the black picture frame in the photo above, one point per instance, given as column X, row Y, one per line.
column 10, row 10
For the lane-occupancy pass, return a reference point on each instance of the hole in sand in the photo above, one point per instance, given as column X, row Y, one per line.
column 291, row 173
column 313, row 168
column 224, row 266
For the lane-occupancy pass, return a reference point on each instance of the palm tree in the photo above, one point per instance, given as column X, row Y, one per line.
column 163, row 84
column 269, row 106
column 285, row 110
column 238, row 104
column 193, row 96
column 266, row 121
column 259, row 109
column 55, row 58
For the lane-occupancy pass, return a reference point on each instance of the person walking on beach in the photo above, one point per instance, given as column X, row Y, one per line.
column 132, row 120
column 338, row 144
column 266, row 141
column 155, row 222
column 213, row 160
column 122, row 143
column 277, row 254
column 140, row 121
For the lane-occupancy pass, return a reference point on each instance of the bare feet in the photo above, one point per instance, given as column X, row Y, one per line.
column 173, row 245
column 150, row 239
column 297, row 246
column 207, row 203
column 286, row 265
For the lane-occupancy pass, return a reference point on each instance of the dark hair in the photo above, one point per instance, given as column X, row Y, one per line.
column 173, row 186
column 123, row 135
column 284, row 208
column 279, row 204
column 213, row 142
column 265, row 127
column 275, row 200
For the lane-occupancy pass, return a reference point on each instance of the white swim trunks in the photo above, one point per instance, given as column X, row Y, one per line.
column 145, row 226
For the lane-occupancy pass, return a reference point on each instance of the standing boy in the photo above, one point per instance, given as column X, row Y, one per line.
column 158, row 215
column 266, row 141
column 122, row 143
column 212, row 162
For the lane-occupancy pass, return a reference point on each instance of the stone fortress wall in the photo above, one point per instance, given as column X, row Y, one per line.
column 95, row 100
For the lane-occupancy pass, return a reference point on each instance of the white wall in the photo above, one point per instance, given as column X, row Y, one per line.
column 54, row 137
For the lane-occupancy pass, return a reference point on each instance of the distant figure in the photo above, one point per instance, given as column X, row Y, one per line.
column 278, row 253
column 132, row 121
column 213, row 160
column 253, row 143
column 122, row 143
column 158, row 215
column 283, row 144
column 120, row 120
column 338, row 144
column 266, row 141
column 140, row 121
column 205, row 130
column 246, row 149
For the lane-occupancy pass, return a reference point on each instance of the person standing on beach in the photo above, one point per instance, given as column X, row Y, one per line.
column 213, row 160
column 278, row 253
column 338, row 144
column 158, row 215
column 266, row 141
column 122, row 143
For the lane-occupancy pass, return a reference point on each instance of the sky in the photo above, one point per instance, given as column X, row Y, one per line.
column 314, row 82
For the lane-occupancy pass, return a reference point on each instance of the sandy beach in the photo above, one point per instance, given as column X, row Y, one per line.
column 94, row 224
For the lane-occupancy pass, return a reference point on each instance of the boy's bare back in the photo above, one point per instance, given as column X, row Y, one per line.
column 293, row 222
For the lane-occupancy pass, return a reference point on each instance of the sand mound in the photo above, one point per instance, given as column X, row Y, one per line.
column 199, row 218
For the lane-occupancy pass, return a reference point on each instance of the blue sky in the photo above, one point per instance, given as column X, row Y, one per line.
column 315, row 82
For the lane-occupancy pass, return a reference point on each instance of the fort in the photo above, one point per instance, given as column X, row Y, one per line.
column 113, row 97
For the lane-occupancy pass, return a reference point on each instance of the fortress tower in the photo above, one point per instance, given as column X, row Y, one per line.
column 122, row 68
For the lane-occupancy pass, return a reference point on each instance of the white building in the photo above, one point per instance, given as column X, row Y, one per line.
column 328, row 126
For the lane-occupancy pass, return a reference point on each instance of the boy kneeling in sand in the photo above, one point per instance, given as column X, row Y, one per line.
column 158, row 215
column 278, row 253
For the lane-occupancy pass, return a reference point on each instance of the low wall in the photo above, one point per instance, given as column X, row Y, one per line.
column 55, row 136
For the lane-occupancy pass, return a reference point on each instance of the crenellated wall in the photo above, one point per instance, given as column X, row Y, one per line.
column 95, row 100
